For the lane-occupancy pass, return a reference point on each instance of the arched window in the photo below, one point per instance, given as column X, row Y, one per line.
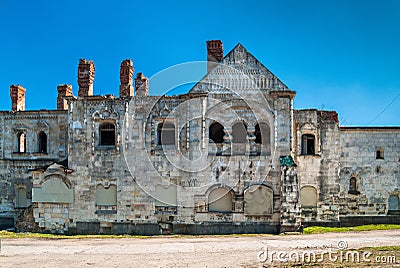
column 308, row 144
column 308, row 196
column 220, row 200
column 42, row 142
column 393, row 202
column 262, row 134
column 21, row 142
column 239, row 133
column 379, row 153
column 166, row 134
column 216, row 133
column 353, row 186
column 107, row 134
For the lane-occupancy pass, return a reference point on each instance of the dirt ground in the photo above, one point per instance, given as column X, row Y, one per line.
column 209, row 251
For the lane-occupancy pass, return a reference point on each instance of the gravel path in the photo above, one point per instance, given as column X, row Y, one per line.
column 210, row 251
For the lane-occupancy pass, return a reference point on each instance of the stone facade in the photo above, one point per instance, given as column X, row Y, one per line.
column 231, row 155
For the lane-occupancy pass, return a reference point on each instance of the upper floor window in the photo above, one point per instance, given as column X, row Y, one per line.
column 239, row 133
column 42, row 142
column 21, row 142
column 262, row 133
column 379, row 154
column 216, row 133
column 166, row 134
column 308, row 144
column 107, row 134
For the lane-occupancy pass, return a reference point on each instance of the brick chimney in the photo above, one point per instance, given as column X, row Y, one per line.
column 215, row 53
column 141, row 85
column 17, row 94
column 126, row 78
column 63, row 91
column 85, row 77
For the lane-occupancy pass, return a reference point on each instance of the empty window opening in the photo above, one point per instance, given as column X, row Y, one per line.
column 379, row 154
column 21, row 142
column 262, row 134
column 166, row 134
column 239, row 133
column 220, row 200
column 353, row 186
column 107, row 134
column 216, row 133
column 308, row 144
column 42, row 140
column 393, row 202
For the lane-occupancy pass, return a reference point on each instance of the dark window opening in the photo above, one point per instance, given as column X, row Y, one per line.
column 216, row 133
column 42, row 138
column 166, row 134
column 379, row 154
column 308, row 144
column 21, row 142
column 353, row 186
column 262, row 133
column 239, row 133
column 107, row 134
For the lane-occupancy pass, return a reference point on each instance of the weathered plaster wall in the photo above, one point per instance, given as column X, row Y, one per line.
column 376, row 178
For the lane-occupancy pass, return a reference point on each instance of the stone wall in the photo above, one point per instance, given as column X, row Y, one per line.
column 376, row 178
column 16, row 166
column 319, row 169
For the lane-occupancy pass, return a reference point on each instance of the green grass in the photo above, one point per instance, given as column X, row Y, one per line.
column 371, row 227
column 382, row 248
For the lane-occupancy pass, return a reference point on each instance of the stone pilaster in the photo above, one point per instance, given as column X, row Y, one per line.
column 290, row 205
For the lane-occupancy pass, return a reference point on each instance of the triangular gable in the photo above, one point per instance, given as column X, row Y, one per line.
column 239, row 71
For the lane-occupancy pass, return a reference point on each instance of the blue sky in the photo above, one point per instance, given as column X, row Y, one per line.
column 338, row 55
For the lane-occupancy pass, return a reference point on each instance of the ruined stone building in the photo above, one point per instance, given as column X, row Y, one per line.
column 230, row 156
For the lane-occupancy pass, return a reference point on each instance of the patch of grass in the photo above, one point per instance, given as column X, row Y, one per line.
column 382, row 248
column 371, row 227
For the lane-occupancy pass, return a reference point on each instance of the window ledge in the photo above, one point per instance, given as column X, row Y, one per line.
column 106, row 147
column 166, row 146
column 354, row 192
column 40, row 154
column 101, row 211
column 310, row 155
